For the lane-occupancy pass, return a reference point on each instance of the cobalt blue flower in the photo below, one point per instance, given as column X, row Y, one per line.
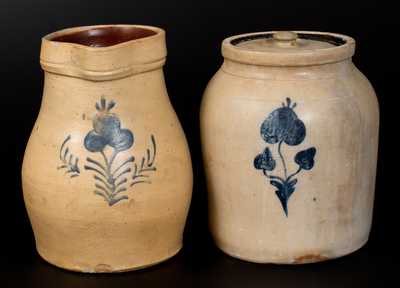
column 107, row 131
column 265, row 161
column 109, row 179
column 282, row 124
column 305, row 158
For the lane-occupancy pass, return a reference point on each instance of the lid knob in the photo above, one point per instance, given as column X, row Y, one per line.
column 285, row 38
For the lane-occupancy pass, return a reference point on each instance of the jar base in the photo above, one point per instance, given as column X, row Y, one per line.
column 305, row 259
column 104, row 268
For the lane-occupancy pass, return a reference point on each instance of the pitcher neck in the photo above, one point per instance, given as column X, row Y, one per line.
column 105, row 52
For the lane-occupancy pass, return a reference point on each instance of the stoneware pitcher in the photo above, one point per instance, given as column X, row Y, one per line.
column 289, row 130
column 107, row 175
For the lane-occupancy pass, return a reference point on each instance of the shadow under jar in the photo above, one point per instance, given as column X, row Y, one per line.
column 289, row 132
column 107, row 176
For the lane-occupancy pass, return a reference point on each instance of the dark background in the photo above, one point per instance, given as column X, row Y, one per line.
column 194, row 33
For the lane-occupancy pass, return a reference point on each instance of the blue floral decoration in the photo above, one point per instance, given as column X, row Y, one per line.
column 107, row 131
column 108, row 139
column 69, row 161
column 283, row 126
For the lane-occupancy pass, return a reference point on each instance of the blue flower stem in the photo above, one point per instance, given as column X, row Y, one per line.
column 110, row 178
column 272, row 176
column 108, row 163
column 283, row 160
column 105, row 159
column 114, row 154
column 294, row 174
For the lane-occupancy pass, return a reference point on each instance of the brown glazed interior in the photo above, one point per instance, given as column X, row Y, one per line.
column 105, row 36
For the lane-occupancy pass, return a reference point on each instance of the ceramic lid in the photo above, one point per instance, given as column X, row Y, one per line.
column 288, row 48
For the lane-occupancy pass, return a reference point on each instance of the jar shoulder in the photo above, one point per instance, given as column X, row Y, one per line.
column 225, row 89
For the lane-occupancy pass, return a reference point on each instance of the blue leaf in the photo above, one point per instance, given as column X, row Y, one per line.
column 293, row 182
column 305, row 158
column 277, row 184
column 264, row 161
column 110, row 105
column 283, row 199
column 103, row 103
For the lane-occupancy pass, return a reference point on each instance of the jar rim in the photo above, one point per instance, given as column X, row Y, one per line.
column 342, row 48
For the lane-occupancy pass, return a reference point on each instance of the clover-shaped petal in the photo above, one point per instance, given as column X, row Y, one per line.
column 305, row 158
column 94, row 142
column 121, row 141
column 295, row 133
column 107, row 125
column 264, row 161
column 277, row 125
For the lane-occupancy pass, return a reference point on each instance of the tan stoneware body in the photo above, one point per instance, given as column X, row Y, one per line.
column 278, row 102
column 107, row 175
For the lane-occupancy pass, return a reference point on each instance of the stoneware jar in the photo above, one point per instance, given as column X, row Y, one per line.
column 289, row 130
column 107, row 176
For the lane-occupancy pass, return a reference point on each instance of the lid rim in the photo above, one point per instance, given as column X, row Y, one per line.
column 343, row 49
